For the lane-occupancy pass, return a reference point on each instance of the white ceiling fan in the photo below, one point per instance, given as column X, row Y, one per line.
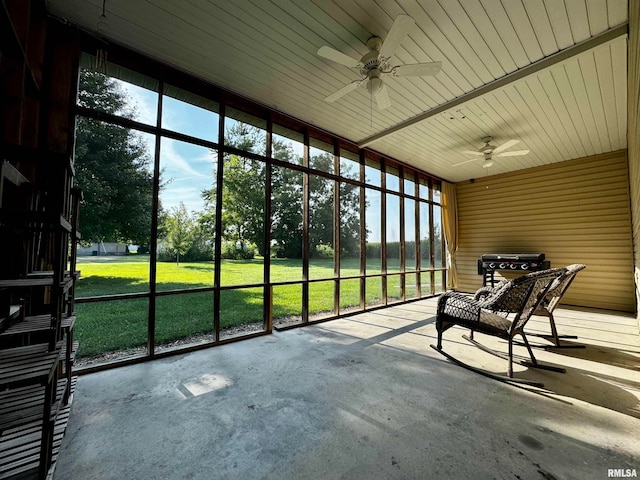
column 488, row 151
column 374, row 64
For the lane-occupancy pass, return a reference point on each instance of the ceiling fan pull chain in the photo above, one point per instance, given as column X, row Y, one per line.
column 371, row 108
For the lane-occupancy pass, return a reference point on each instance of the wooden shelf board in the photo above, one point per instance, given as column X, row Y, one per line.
column 21, row 365
column 30, row 324
column 21, row 406
column 68, row 322
column 14, row 312
column 12, row 174
column 32, row 220
column 24, row 406
column 20, row 447
column 26, row 282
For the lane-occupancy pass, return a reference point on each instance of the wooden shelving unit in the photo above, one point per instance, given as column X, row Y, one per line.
column 38, row 220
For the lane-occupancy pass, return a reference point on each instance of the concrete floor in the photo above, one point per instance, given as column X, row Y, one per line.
column 364, row 398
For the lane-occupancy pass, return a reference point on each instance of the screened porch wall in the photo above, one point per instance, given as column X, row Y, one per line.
column 336, row 228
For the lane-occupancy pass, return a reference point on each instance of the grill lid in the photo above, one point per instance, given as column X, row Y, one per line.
column 513, row 257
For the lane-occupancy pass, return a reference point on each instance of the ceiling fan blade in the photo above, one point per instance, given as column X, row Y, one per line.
column 513, row 153
column 338, row 57
column 399, row 30
column 343, row 91
column 471, row 152
column 382, row 97
column 466, row 161
column 417, row 69
column 505, row 145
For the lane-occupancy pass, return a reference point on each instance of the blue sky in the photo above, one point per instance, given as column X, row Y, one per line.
column 188, row 169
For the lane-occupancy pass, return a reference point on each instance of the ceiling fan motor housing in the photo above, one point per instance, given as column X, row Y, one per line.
column 374, row 43
column 371, row 59
column 369, row 62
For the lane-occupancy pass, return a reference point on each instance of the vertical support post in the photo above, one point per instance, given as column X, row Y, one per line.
column 305, row 230
column 443, row 249
column 432, row 258
column 363, row 235
column 336, row 229
column 217, row 249
column 269, row 309
column 153, row 244
column 416, row 194
column 403, row 250
column 46, row 441
column 267, row 289
column 383, row 229
column 62, row 67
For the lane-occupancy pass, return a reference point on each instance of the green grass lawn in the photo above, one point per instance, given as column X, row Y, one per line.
column 122, row 324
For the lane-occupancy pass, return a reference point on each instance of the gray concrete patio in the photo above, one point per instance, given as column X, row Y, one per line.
column 364, row 398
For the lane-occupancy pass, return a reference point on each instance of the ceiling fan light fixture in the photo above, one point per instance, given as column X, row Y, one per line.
column 487, row 163
column 374, row 85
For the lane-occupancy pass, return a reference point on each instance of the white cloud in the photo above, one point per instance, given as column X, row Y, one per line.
column 177, row 166
column 144, row 101
column 190, row 196
column 187, row 170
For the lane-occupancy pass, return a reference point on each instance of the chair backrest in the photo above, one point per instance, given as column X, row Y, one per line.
column 538, row 289
column 509, row 296
column 561, row 285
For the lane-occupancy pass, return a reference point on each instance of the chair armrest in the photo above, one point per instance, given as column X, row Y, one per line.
column 454, row 306
column 483, row 292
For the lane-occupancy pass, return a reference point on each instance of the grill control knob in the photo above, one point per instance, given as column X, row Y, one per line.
column 503, row 266
column 524, row 266
column 492, row 266
column 513, row 266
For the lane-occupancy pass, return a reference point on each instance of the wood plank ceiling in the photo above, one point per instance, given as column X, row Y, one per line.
column 267, row 51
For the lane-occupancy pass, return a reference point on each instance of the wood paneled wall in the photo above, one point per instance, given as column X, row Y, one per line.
column 633, row 136
column 574, row 212
column 39, row 61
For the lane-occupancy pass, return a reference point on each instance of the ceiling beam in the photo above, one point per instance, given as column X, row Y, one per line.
column 542, row 64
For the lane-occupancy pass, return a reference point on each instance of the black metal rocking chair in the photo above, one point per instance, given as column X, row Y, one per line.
column 521, row 296
column 486, row 296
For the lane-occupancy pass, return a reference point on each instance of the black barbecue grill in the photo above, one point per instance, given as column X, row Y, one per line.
column 523, row 262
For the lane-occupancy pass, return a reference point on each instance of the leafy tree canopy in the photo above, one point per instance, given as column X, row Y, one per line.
column 113, row 168
column 243, row 200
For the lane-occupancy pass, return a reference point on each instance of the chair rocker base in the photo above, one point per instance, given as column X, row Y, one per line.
column 555, row 343
column 524, row 363
column 495, row 376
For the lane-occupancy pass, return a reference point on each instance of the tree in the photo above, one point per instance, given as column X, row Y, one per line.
column 322, row 212
column 243, row 192
column 320, row 204
column 112, row 168
column 180, row 231
column 286, row 212
column 243, row 200
column 349, row 220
